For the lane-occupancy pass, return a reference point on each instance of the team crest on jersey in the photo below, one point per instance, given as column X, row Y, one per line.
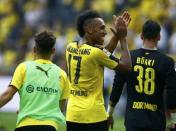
column 30, row 88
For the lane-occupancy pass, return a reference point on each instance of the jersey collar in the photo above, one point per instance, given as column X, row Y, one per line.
column 43, row 61
column 149, row 48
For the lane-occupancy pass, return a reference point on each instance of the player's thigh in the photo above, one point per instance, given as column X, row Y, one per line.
column 36, row 128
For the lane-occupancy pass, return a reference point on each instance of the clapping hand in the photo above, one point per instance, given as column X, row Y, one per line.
column 120, row 24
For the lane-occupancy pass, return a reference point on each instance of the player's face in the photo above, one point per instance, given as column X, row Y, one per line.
column 98, row 31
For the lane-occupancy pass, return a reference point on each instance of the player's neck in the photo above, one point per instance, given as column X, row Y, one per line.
column 37, row 56
column 90, row 41
column 149, row 45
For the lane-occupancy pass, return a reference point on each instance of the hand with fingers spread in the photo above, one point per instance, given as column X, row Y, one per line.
column 120, row 24
column 126, row 17
column 121, row 28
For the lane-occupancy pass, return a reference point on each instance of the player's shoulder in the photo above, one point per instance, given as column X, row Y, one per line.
column 96, row 49
column 98, row 52
column 28, row 63
column 23, row 64
column 135, row 51
column 168, row 59
column 165, row 57
column 21, row 67
column 77, row 45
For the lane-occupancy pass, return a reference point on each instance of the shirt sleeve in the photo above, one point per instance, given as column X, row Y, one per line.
column 118, row 84
column 104, row 60
column 171, row 85
column 19, row 76
column 64, row 85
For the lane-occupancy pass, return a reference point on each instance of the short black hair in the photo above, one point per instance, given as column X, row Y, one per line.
column 83, row 17
column 150, row 29
column 44, row 42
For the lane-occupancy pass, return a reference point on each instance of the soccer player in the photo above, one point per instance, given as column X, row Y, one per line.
column 86, row 62
column 41, row 85
column 152, row 73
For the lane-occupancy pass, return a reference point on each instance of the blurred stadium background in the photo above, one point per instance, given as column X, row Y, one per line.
column 21, row 19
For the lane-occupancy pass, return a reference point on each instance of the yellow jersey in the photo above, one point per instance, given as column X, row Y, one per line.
column 86, row 72
column 18, row 80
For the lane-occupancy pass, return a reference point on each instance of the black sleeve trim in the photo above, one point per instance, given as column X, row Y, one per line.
column 117, row 88
column 114, row 58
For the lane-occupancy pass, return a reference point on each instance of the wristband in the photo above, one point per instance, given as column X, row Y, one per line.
column 106, row 52
column 110, row 110
column 173, row 117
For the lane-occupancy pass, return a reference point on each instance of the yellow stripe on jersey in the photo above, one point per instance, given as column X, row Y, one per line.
column 86, row 71
column 18, row 80
column 30, row 121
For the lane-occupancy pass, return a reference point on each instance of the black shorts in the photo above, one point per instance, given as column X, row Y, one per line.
column 173, row 129
column 142, row 129
column 98, row 126
column 36, row 128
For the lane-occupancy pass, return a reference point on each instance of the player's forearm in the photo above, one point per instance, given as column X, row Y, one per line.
column 7, row 95
column 112, row 44
column 116, row 92
column 115, row 95
column 4, row 98
column 125, row 57
column 111, row 107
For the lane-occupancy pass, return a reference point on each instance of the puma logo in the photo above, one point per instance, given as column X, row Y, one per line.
column 41, row 69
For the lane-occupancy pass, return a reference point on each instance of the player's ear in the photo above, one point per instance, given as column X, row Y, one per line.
column 88, row 29
column 142, row 37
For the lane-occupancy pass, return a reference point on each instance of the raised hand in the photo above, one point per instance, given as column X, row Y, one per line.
column 126, row 17
column 120, row 24
column 120, row 30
